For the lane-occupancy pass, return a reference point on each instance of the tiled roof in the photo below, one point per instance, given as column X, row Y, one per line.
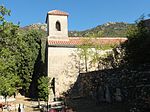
column 57, row 12
column 74, row 41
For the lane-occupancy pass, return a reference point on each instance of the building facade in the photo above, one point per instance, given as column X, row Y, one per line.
column 63, row 62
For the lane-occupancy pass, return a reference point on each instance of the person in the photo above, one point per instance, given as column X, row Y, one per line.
column 19, row 108
column 14, row 95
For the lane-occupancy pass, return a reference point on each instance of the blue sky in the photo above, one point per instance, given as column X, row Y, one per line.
column 83, row 14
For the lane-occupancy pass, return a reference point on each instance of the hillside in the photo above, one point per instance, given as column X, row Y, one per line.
column 110, row 29
column 36, row 26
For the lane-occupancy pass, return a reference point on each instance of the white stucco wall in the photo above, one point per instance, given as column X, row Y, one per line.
column 61, row 65
column 64, row 65
column 53, row 33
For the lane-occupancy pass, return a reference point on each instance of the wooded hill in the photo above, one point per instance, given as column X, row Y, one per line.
column 110, row 29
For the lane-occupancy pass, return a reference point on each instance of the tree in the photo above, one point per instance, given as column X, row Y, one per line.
column 132, row 60
column 8, row 85
column 138, row 43
column 90, row 52
column 43, row 87
column 19, row 50
column 9, row 80
column 28, row 47
column 84, row 52
column 97, row 49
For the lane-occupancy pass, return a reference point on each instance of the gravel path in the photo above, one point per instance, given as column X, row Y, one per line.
column 29, row 106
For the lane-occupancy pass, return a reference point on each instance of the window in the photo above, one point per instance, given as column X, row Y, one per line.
column 58, row 26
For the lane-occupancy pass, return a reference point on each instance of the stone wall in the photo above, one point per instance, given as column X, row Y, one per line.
column 111, row 85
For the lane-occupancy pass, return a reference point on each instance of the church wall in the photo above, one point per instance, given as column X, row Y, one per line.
column 63, row 62
column 61, row 65
column 64, row 65
column 53, row 33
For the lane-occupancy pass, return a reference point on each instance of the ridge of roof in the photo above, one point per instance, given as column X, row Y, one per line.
column 79, row 41
column 57, row 12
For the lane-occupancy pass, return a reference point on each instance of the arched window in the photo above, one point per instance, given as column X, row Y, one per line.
column 58, row 26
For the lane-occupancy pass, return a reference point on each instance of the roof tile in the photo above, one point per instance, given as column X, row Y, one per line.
column 74, row 41
column 57, row 12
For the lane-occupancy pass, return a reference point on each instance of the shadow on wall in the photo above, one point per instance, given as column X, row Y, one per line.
column 92, row 92
column 112, row 86
column 95, row 85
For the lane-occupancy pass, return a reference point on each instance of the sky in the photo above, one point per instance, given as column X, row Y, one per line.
column 83, row 14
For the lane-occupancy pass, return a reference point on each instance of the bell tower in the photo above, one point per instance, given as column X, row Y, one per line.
column 57, row 24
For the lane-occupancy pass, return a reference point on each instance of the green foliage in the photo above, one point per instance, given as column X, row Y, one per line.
column 84, row 51
column 9, row 80
column 134, row 51
column 136, row 48
column 135, row 62
column 3, row 11
column 9, row 84
column 43, row 87
column 110, row 29
column 132, row 62
column 18, row 53
column 89, row 52
column 29, row 49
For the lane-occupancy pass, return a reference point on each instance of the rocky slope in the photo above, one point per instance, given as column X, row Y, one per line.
column 110, row 29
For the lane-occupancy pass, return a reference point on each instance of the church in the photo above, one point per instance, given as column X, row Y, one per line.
column 63, row 62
